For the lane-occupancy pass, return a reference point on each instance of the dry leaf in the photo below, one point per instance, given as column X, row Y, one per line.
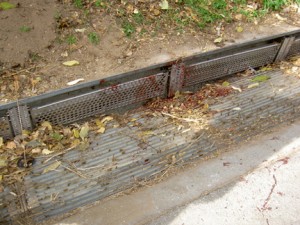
column 76, row 133
column 107, row 119
column 253, row 85
column 164, row 4
column 53, row 166
column 46, row 151
column 101, row 130
column 75, row 81
column 1, row 142
column 236, row 88
column 239, row 29
column 47, row 124
column 71, row 63
column 84, row 131
column 3, row 162
column 218, row 40
column 11, row 145
column 236, row 109
column 36, row 150
column 297, row 62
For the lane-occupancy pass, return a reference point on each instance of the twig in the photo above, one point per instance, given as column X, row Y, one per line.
column 73, row 171
column 184, row 119
column 60, row 153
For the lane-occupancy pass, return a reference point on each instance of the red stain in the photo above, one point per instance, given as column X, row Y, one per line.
column 114, row 87
column 284, row 160
column 102, row 81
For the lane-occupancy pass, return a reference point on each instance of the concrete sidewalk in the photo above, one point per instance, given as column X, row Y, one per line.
column 255, row 183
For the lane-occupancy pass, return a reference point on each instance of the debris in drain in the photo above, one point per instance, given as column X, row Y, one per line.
column 25, row 161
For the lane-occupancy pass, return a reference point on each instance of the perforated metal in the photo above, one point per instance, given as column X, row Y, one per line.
column 90, row 104
column 295, row 48
column 227, row 65
column 5, row 129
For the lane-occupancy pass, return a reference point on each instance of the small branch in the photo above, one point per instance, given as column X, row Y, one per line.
column 184, row 119
column 271, row 192
column 60, row 153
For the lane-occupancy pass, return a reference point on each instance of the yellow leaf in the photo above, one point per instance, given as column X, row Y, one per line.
column 206, row 107
column 46, row 151
column 84, row 131
column 239, row 29
column 76, row 133
column 47, row 124
column 75, row 143
column 218, row 40
column 99, row 123
column 71, row 63
column 225, row 84
column 101, row 130
column 1, row 142
column 53, row 166
column 107, row 119
column 1, row 177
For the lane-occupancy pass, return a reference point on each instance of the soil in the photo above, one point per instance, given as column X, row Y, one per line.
column 31, row 60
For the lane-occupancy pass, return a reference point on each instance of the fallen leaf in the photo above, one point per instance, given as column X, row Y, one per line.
column 218, row 40
column 71, row 63
column 236, row 88
column 101, row 130
column 80, row 30
column 76, row 133
column 164, row 4
column 239, row 29
column 47, row 124
column 84, row 131
column 261, row 78
column 75, row 81
column 3, row 162
column 53, row 166
column 36, row 150
column 107, row 119
column 6, row 5
column 11, row 145
column 253, row 85
column 177, row 94
column 136, row 11
column 46, row 151
column 280, row 17
column 239, row 17
column 1, row 142
column 236, row 109
column 297, row 62
column 225, row 84
column 1, row 177
column 57, row 136
column 75, row 143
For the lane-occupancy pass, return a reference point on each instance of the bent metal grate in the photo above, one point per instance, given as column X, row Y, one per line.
column 90, row 104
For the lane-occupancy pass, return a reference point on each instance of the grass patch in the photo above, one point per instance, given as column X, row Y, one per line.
column 78, row 4
column 128, row 28
column 94, row 38
column 71, row 40
column 25, row 29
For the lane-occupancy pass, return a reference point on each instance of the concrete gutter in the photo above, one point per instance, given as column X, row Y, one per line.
column 255, row 183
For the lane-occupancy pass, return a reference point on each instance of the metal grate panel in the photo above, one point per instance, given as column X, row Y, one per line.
column 295, row 48
column 5, row 129
column 90, row 104
column 216, row 68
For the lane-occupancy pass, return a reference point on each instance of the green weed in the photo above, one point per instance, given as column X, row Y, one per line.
column 94, row 38
column 25, row 29
column 78, row 3
column 274, row 4
column 138, row 18
column 71, row 40
column 128, row 28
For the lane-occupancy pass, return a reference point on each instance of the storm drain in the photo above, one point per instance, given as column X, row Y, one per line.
column 124, row 156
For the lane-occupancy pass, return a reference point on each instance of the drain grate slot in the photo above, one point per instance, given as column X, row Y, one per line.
column 217, row 68
column 90, row 104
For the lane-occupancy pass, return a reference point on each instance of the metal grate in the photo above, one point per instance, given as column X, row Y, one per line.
column 90, row 104
column 5, row 129
column 295, row 48
column 216, row 68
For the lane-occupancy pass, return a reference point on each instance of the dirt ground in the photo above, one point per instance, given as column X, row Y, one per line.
column 33, row 45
